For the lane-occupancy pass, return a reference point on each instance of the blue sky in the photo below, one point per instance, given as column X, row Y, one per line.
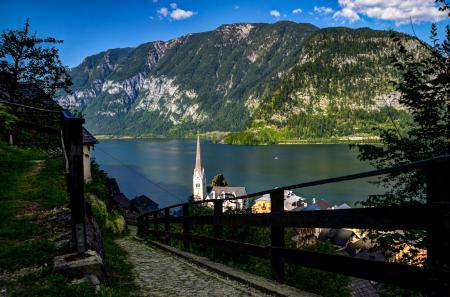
column 88, row 27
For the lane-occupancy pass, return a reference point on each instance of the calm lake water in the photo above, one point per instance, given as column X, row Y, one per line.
column 162, row 169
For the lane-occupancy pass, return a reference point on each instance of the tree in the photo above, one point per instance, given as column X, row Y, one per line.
column 6, row 118
column 424, row 86
column 30, row 60
column 219, row 181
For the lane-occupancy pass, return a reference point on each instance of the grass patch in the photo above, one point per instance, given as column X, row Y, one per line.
column 22, row 193
column 51, row 184
column 27, row 188
column 45, row 283
column 120, row 271
column 14, row 255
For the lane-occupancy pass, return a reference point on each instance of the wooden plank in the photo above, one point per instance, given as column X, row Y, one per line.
column 399, row 168
column 36, row 127
column 387, row 218
column 277, row 237
column 227, row 246
column 385, row 272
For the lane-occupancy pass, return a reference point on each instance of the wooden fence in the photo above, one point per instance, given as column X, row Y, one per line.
column 72, row 142
column 434, row 217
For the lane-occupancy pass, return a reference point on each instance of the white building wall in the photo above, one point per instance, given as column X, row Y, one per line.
column 87, row 163
column 199, row 185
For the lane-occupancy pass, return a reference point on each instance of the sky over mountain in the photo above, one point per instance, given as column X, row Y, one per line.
column 88, row 27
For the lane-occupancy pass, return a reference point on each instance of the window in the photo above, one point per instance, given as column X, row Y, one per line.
column 197, row 186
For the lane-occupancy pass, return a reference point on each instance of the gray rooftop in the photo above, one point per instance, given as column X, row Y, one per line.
column 88, row 138
column 239, row 191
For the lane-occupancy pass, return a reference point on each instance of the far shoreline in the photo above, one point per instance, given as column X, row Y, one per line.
column 341, row 140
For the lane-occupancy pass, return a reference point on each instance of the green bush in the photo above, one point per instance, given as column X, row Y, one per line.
column 110, row 222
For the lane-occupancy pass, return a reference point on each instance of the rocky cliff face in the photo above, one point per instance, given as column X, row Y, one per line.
column 216, row 80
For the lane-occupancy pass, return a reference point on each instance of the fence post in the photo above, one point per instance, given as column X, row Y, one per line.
column 218, row 229
column 185, row 226
column 276, row 237
column 167, row 225
column 156, row 225
column 73, row 139
column 10, row 140
column 438, row 198
column 140, row 226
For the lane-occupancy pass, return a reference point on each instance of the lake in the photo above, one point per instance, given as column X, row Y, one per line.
column 162, row 169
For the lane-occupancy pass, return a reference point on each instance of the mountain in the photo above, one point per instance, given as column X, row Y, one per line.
column 240, row 76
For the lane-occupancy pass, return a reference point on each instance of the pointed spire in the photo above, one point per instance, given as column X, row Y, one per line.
column 198, row 159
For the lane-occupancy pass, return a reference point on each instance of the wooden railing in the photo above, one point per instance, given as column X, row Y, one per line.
column 434, row 217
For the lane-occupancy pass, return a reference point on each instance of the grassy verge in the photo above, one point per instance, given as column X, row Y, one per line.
column 32, row 189
column 119, row 269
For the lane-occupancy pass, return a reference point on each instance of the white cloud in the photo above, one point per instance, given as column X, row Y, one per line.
column 348, row 14
column 323, row 9
column 181, row 14
column 174, row 13
column 275, row 13
column 163, row 11
column 236, row 7
column 399, row 11
column 297, row 11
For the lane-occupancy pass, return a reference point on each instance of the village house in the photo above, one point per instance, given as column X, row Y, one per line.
column 142, row 204
column 121, row 202
column 229, row 192
column 88, row 143
column 308, row 236
column 291, row 201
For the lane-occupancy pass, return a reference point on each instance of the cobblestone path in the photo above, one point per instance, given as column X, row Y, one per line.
column 158, row 273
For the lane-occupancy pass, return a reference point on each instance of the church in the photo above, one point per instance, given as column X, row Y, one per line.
column 200, row 189
column 198, row 178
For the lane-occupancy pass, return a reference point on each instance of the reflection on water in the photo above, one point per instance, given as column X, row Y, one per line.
column 162, row 169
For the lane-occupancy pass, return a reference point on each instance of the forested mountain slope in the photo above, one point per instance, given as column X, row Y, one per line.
column 309, row 81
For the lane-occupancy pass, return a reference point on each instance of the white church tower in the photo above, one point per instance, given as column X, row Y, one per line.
column 199, row 181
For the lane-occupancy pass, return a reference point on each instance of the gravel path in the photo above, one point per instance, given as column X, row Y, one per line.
column 158, row 273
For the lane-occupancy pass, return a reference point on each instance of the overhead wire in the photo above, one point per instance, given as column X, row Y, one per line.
column 142, row 176
column 106, row 153
column 29, row 107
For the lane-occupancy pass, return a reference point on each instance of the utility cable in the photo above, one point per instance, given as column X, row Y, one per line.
column 143, row 176
column 30, row 107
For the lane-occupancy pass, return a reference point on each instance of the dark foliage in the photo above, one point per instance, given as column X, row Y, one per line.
column 32, row 61
column 219, row 180
column 425, row 87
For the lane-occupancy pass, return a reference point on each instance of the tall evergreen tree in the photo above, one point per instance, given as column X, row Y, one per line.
column 425, row 92
column 31, row 60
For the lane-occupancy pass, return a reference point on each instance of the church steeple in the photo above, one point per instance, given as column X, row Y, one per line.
column 198, row 158
column 198, row 178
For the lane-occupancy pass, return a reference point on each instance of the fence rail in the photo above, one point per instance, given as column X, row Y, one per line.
column 434, row 217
